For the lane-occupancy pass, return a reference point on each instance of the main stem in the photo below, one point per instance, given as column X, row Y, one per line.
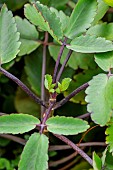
column 58, row 60
column 23, row 87
column 76, row 148
column 63, row 65
column 43, row 72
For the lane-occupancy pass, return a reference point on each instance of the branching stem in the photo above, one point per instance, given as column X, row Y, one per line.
column 63, row 65
column 66, row 99
column 43, row 72
column 58, row 60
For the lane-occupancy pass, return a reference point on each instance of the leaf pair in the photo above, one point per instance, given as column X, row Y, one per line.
column 21, row 123
column 61, row 86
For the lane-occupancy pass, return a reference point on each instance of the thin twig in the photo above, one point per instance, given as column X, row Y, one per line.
column 14, row 138
column 63, row 65
column 58, row 60
column 23, row 86
column 75, row 92
column 43, row 72
column 76, row 148
column 84, row 116
column 64, row 147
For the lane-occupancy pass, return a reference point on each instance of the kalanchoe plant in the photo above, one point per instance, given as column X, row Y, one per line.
column 76, row 40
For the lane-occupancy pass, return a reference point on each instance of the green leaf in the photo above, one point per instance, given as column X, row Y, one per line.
column 62, row 16
column 5, row 164
column 48, row 81
column 17, row 123
column 81, row 18
column 100, row 97
column 109, row 133
column 104, row 60
column 90, row 44
column 34, row 155
column 66, row 125
column 9, row 45
column 101, row 10
column 65, row 84
column 77, row 60
column 102, row 30
column 107, row 159
column 78, row 80
column 97, row 163
column 42, row 16
column 28, row 37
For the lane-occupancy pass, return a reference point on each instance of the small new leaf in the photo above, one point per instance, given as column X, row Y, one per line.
column 65, row 84
column 48, row 81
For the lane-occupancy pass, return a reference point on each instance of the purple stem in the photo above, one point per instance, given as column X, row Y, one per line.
column 63, row 65
column 23, row 86
column 58, row 60
column 47, row 114
column 66, row 99
column 43, row 72
column 76, row 148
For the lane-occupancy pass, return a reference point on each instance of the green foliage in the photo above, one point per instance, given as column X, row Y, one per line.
column 41, row 16
column 97, row 163
column 81, row 18
column 66, row 125
column 77, row 60
column 90, row 44
column 9, row 45
column 63, row 86
column 28, row 37
column 101, row 10
column 13, row 4
column 34, row 155
column 5, row 164
column 104, row 60
column 17, row 123
column 102, row 30
column 109, row 133
column 100, row 97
